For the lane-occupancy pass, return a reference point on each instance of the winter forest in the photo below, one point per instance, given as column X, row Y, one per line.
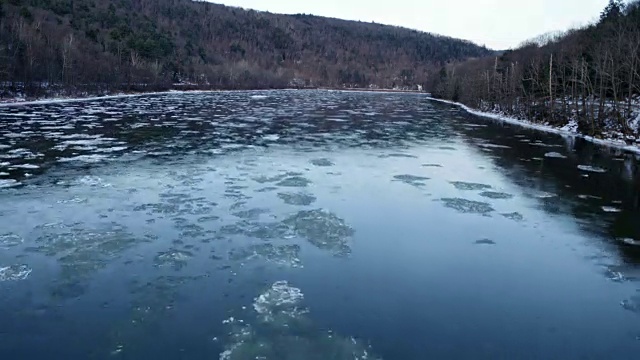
column 585, row 79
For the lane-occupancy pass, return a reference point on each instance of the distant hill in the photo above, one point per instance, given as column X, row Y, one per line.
column 117, row 44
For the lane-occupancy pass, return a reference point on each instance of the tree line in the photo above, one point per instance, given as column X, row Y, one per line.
column 588, row 76
column 114, row 45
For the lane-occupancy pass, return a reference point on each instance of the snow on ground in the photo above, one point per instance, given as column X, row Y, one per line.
column 569, row 130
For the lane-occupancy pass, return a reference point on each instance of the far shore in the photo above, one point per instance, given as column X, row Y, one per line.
column 59, row 99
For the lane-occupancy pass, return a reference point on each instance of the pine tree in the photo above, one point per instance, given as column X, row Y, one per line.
column 613, row 11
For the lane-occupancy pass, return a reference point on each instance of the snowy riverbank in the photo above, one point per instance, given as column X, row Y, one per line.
column 570, row 129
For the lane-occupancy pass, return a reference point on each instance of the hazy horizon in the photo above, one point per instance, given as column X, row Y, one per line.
column 497, row 24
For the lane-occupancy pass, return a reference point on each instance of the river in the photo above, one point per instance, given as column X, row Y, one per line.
column 310, row 225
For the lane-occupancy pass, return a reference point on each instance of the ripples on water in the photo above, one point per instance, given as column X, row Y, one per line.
column 309, row 225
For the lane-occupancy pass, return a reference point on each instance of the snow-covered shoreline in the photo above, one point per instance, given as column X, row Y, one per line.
column 569, row 131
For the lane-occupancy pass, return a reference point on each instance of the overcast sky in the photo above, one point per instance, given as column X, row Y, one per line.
column 499, row 24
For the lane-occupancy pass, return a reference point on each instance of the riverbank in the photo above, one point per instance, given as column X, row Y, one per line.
column 570, row 129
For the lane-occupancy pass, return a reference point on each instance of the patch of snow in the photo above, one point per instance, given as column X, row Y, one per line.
column 571, row 127
column 611, row 209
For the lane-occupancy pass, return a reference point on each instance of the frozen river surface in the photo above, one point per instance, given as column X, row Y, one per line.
column 304, row 225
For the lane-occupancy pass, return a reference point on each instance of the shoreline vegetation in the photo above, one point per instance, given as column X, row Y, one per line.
column 79, row 47
column 570, row 131
column 584, row 82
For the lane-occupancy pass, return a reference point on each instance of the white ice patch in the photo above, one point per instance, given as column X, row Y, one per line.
column 15, row 273
column 611, row 209
column 279, row 299
column 259, row 97
column 93, row 181
column 495, row 146
column 554, row 155
column 545, row 195
column 85, row 142
column 7, row 183
column 630, row 241
column 10, row 240
column 84, row 158
column 25, row 166
column 271, row 137
column 590, row 168
column 587, row 197
column 111, row 149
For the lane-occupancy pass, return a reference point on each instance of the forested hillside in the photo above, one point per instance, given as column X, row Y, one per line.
column 587, row 78
column 97, row 45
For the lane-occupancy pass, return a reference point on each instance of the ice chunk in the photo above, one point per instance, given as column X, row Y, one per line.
column 15, row 273
column 590, row 168
column 95, row 158
column 468, row 206
column 496, row 195
column 280, row 300
column 283, row 255
column 515, row 216
column 461, row 185
column 485, row 242
column 411, row 179
column 294, row 181
column 322, row 229
column 298, row 199
column 555, row 155
column 322, row 162
column 10, row 240
column 629, row 241
column 176, row 259
column 7, row 183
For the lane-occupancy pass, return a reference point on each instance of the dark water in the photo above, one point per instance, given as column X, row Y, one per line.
column 310, row 225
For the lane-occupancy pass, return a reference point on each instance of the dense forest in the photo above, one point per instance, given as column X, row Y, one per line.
column 586, row 78
column 113, row 45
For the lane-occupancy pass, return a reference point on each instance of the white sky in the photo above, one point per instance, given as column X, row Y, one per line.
column 499, row 24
